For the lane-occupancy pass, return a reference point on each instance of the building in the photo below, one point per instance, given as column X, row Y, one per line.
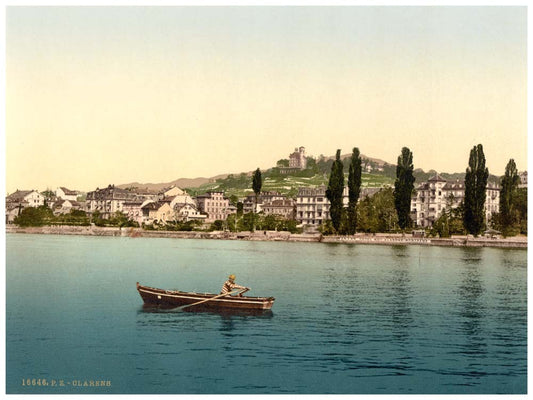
column 110, row 200
column 65, row 206
column 173, row 191
column 133, row 210
column 282, row 207
column 431, row 198
column 297, row 161
column 158, row 212
column 25, row 198
column 188, row 212
column 215, row 205
column 21, row 199
column 66, row 194
column 523, row 179
column 312, row 206
column 264, row 197
column 492, row 200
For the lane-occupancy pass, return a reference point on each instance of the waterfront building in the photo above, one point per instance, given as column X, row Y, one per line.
column 312, row 206
column 215, row 205
column 282, row 207
column 437, row 194
column 157, row 212
column 109, row 200
column 133, row 210
column 263, row 197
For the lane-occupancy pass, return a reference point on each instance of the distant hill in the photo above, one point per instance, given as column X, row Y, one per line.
column 181, row 183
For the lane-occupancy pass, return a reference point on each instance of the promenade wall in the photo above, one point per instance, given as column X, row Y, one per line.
column 383, row 239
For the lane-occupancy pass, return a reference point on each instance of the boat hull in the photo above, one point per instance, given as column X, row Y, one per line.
column 176, row 298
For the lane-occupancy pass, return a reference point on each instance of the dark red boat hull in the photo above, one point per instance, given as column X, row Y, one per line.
column 176, row 298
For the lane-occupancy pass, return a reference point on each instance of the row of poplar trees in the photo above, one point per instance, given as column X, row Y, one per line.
column 344, row 221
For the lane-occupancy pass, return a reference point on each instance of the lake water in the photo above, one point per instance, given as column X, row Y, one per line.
column 348, row 319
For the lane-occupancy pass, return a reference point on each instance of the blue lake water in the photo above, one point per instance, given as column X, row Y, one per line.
column 348, row 319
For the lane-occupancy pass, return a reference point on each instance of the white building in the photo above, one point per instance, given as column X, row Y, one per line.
column 431, row 198
column 66, row 194
column 21, row 199
column 26, row 198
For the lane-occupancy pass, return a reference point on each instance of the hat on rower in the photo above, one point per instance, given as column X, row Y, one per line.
column 232, row 277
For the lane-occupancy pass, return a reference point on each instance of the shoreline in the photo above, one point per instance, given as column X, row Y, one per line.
column 275, row 236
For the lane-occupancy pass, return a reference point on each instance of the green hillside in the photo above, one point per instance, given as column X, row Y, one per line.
column 316, row 174
column 241, row 185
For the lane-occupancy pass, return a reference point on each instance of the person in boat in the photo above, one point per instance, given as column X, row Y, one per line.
column 230, row 285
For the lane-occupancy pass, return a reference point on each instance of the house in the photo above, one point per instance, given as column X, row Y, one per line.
column 21, row 199
column 66, row 194
column 65, row 206
column 157, row 211
column 431, row 198
column 248, row 202
column 26, row 198
column 173, row 191
column 188, row 212
column 215, row 205
column 109, row 200
column 133, row 210
column 12, row 211
column 282, row 207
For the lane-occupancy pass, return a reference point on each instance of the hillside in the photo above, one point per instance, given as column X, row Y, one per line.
column 376, row 173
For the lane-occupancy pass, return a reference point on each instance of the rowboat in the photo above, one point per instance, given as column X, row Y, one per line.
column 202, row 301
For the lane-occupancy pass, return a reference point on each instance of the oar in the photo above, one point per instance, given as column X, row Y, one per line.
column 206, row 300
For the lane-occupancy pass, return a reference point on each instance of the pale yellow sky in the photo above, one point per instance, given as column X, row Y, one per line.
column 103, row 95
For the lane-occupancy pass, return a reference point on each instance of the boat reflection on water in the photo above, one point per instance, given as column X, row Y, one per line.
column 166, row 309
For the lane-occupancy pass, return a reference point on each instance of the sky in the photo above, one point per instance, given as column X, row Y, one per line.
column 112, row 95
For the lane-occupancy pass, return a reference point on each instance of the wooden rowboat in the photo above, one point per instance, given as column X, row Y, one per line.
column 206, row 301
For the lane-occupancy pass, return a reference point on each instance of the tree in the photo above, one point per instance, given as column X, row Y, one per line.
column 334, row 191
column 34, row 216
column 354, row 189
column 403, row 187
column 475, row 185
column 508, row 197
column 256, row 186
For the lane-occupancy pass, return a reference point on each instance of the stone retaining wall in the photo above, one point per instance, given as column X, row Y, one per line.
column 383, row 239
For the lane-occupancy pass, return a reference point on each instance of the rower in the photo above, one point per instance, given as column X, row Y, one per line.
column 230, row 285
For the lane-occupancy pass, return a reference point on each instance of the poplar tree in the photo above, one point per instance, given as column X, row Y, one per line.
column 475, row 185
column 334, row 191
column 508, row 196
column 257, row 183
column 403, row 187
column 354, row 189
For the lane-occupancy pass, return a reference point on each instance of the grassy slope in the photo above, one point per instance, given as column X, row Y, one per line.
column 242, row 186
